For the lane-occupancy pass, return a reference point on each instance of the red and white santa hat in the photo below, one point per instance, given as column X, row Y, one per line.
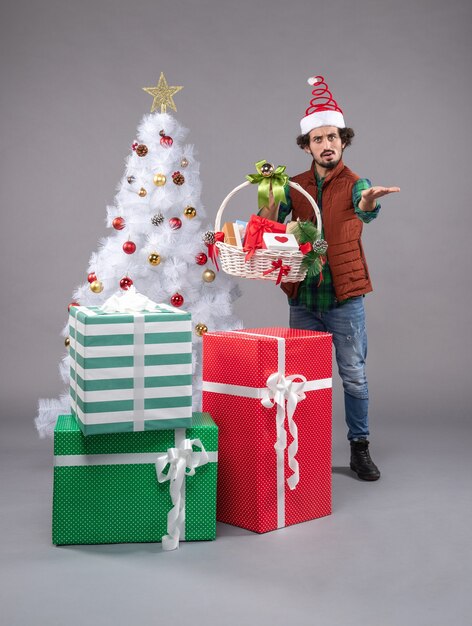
column 323, row 109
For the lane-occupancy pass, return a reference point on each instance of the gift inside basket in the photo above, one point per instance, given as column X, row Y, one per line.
column 268, row 264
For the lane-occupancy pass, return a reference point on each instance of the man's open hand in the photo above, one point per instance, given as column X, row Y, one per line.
column 370, row 196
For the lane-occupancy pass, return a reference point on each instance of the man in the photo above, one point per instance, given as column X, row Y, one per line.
column 336, row 303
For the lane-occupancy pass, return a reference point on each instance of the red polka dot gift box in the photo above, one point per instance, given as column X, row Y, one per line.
column 269, row 392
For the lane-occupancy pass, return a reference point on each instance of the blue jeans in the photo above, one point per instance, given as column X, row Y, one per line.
column 347, row 324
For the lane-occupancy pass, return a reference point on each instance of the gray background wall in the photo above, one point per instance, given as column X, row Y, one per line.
column 71, row 99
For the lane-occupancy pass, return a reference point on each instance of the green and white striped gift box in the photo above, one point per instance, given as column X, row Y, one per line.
column 130, row 371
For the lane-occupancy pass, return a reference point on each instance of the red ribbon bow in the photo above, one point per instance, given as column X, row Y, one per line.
column 283, row 270
column 213, row 251
column 255, row 230
column 305, row 248
column 322, row 261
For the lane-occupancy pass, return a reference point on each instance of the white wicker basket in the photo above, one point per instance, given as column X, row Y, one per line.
column 233, row 259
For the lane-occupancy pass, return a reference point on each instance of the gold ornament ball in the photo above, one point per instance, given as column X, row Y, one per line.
column 267, row 169
column 159, row 179
column 190, row 212
column 67, row 342
column 201, row 329
column 208, row 276
column 184, row 162
column 154, row 258
column 96, row 286
column 142, row 192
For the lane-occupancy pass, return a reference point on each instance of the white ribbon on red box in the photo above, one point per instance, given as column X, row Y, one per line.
column 283, row 391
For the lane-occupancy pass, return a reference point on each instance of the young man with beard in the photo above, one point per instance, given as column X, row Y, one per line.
column 336, row 304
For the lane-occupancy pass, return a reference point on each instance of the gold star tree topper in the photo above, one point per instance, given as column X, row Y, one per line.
column 162, row 95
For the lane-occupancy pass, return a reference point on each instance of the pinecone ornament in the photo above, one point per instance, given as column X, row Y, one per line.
column 320, row 246
column 209, row 237
column 157, row 219
column 141, row 150
column 178, row 178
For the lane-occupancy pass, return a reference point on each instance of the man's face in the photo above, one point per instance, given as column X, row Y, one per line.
column 325, row 146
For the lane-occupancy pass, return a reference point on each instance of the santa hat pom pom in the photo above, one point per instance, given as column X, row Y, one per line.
column 312, row 80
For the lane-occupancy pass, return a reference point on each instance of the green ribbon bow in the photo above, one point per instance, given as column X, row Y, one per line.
column 277, row 180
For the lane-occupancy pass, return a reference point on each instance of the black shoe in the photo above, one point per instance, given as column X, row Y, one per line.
column 361, row 463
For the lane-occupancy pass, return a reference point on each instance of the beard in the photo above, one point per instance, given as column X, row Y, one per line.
column 328, row 165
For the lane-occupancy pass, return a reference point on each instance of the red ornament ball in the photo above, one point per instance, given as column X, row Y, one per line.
column 72, row 304
column 126, row 282
column 166, row 141
column 201, row 258
column 177, row 300
column 175, row 223
column 91, row 277
column 129, row 247
column 118, row 223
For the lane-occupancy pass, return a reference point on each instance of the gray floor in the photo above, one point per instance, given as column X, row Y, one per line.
column 394, row 553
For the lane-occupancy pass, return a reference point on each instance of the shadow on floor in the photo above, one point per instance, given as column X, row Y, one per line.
column 345, row 471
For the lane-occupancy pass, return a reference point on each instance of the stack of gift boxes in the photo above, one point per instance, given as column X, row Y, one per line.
column 133, row 464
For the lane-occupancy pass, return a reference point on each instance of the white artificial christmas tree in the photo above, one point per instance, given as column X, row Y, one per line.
column 156, row 243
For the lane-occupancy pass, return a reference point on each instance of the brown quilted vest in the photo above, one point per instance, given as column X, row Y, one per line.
column 342, row 230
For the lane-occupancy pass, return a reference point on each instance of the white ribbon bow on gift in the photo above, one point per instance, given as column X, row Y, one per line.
column 182, row 462
column 281, row 389
column 130, row 301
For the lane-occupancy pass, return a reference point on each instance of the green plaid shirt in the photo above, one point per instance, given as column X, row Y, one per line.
column 321, row 297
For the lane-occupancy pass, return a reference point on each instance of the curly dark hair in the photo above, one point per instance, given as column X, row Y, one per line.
column 346, row 135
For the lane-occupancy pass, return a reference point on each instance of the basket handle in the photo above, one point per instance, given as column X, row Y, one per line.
column 296, row 186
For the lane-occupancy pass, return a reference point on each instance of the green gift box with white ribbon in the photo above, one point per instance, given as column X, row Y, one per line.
column 147, row 486
column 130, row 370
